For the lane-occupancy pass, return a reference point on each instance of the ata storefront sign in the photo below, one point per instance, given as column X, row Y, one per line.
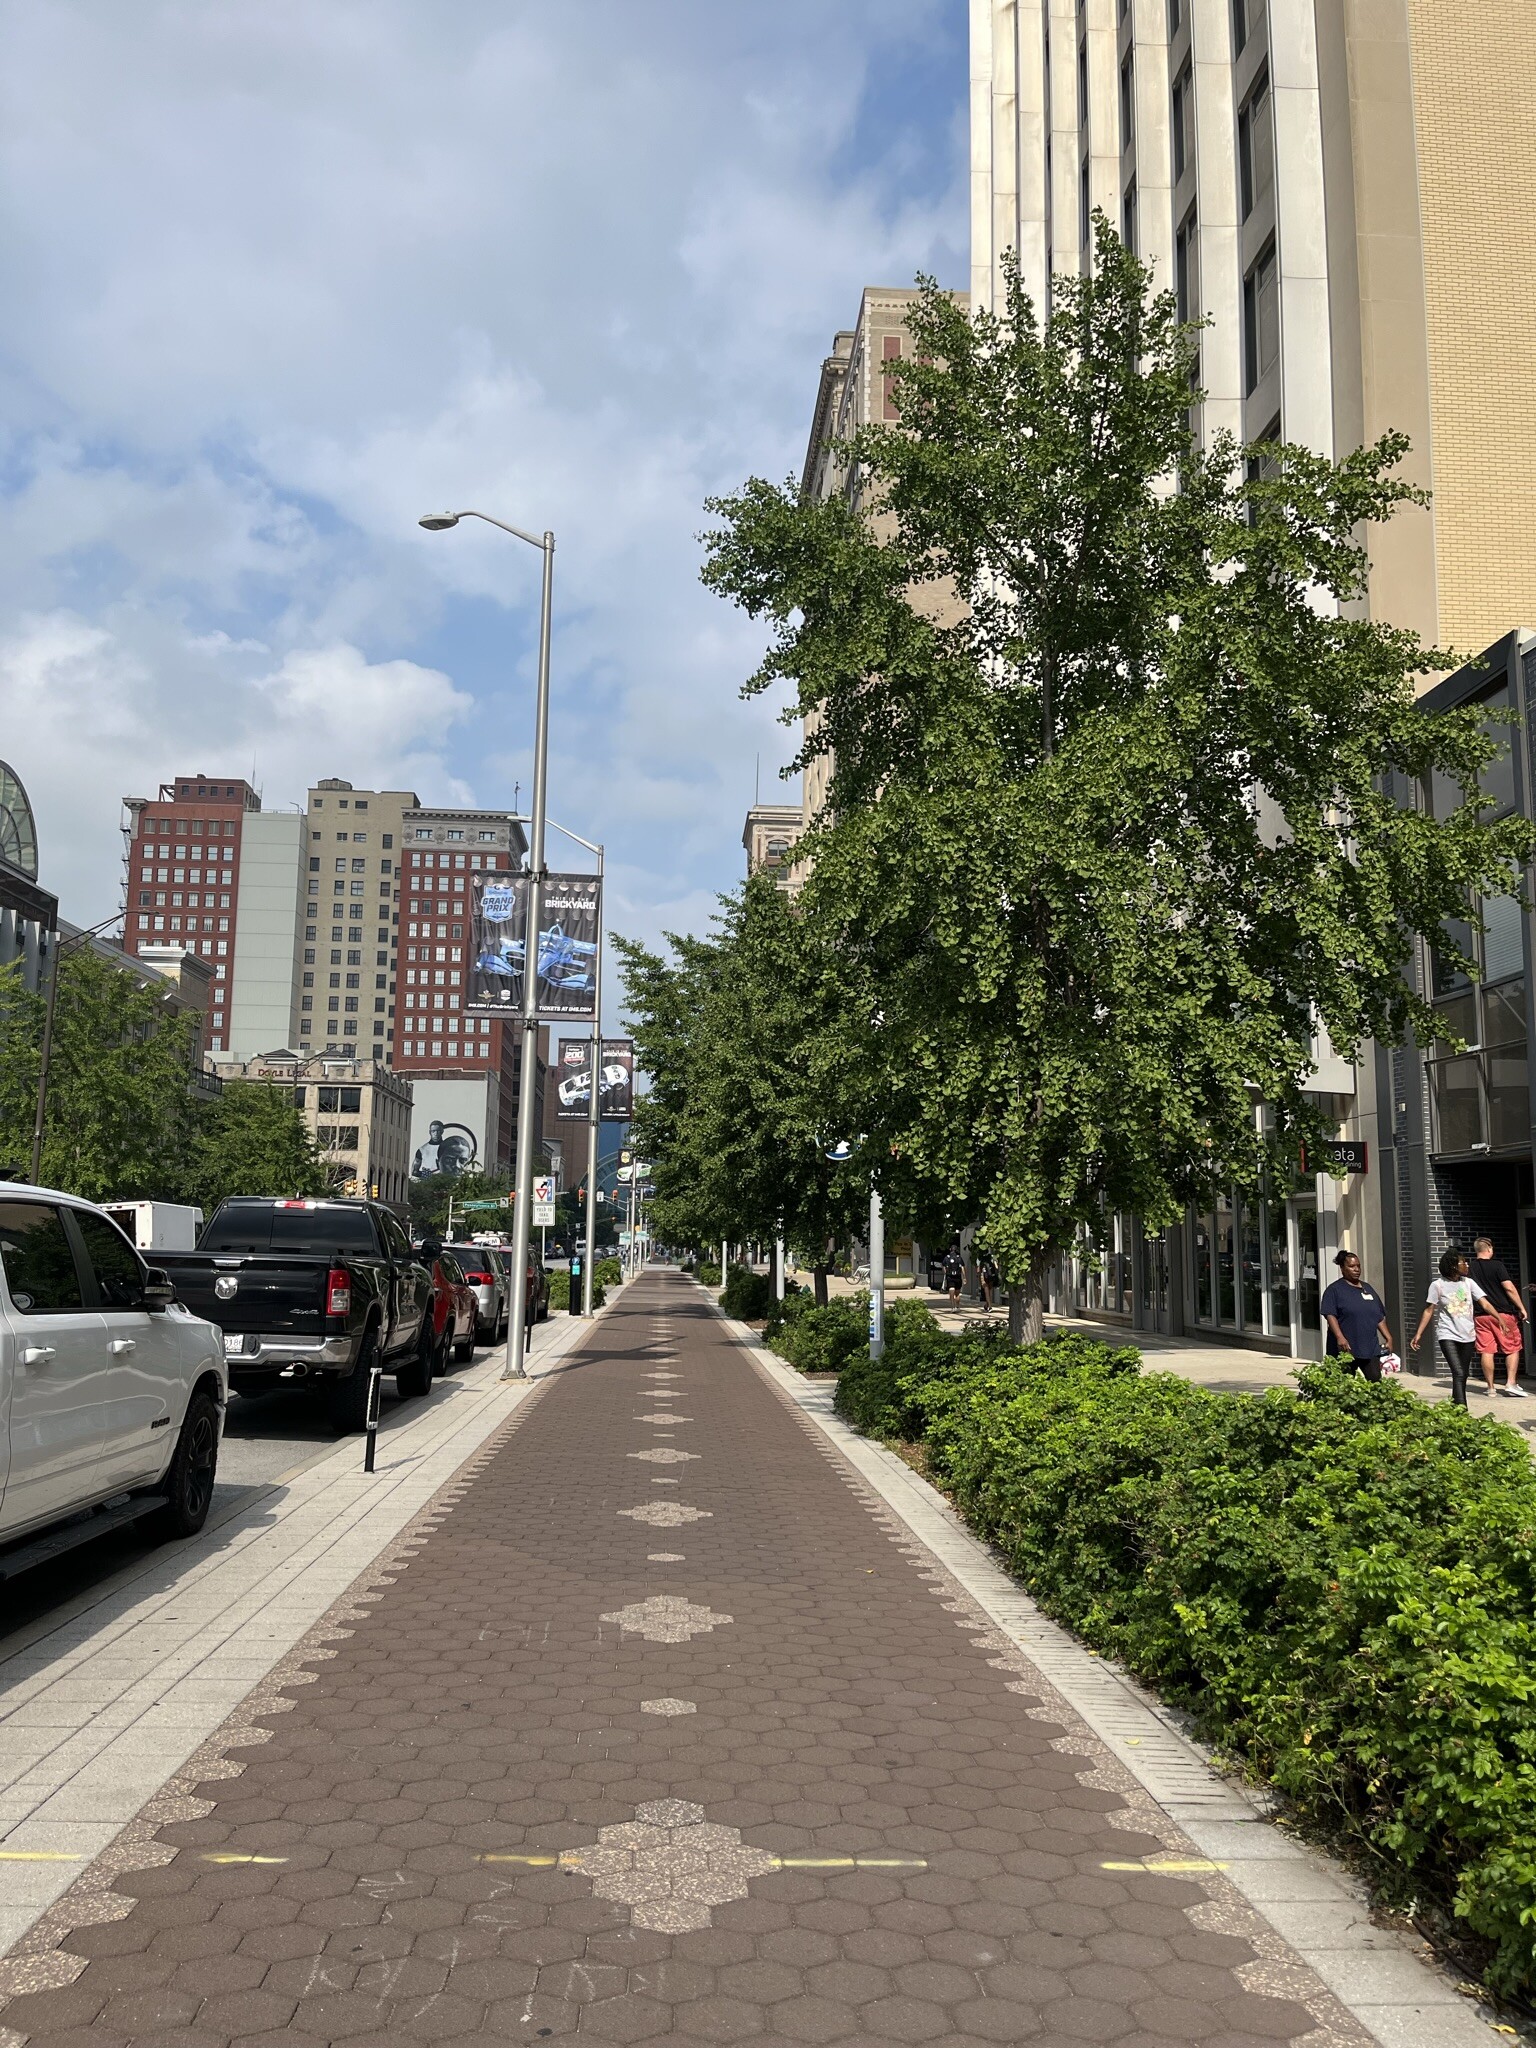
column 1337, row 1155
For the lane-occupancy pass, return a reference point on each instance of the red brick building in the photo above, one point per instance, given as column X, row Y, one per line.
column 182, row 881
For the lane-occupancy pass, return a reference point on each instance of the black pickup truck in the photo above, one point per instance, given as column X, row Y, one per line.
column 319, row 1291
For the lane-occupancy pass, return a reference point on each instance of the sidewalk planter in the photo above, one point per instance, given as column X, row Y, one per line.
column 1339, row 1585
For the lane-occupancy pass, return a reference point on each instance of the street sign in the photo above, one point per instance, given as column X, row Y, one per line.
column 502, row 1204
column 543, row 1200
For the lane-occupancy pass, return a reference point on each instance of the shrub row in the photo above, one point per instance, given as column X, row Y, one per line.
column 748, row 1296
column 1338, row 1583
column 560, row 1288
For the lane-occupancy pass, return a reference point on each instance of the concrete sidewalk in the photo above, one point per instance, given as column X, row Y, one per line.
column 103, row 1700
column 670, row 1719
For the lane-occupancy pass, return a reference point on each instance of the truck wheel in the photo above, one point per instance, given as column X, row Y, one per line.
column 189, row 1482
column 346, row 1400
column 415, row 1379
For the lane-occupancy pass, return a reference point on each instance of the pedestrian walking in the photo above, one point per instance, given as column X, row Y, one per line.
column 1356, row 1319
column 1452, row 1303
column 1498, row 1332
column 987, row 1277
column 954, row 1274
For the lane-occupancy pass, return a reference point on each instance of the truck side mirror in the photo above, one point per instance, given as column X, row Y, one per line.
column 159, row 1289
column 430, row 1249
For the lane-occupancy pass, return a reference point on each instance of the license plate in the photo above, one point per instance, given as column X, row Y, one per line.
column 233, row 1346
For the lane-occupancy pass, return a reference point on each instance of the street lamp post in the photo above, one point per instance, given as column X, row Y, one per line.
column 529, row 1073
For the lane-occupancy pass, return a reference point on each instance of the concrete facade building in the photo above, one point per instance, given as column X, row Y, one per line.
column 769, row 838
column 347, row 956
column 358, row 1112
column 1338, row 187
column 855, row 390
column 1341, row 188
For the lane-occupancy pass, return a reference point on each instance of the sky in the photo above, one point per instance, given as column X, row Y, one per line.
column 278, row 279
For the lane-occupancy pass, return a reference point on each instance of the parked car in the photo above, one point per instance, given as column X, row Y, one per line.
column 487, row 1275
column 455, row 1307
column 107, row 1385
column 317, row 1291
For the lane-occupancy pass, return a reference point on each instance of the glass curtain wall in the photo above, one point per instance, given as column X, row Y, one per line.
column 1240, row 1257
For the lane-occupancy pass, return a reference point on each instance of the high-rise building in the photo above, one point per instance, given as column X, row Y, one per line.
column 182, row 860
column 1344, row 190
column 855, row 390
column 344, row 998
column 358, row 1112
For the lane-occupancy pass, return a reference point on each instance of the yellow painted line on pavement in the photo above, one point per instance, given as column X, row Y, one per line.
column 38, row 1856
column 1167, row 1866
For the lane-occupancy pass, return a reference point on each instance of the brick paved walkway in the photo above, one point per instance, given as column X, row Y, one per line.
column 663, row 1731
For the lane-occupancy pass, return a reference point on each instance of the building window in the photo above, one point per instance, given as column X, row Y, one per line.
column 306, row 1002
column 360, row 867
column 1261, row 320
column 389, row 838
column 453, row 835
column 1084, row 209
column 1256, row 147
column 1183, row 122
column 488, row 837
column 1128, row 217
column 1127, row 100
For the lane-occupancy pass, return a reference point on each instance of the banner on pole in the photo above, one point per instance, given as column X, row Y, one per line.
column 615, row 1081
column 570, row 919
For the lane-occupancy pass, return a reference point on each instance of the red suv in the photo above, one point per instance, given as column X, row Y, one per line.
column 455, row 1309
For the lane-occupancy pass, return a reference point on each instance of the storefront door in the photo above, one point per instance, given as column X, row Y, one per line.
column 1307, row 1286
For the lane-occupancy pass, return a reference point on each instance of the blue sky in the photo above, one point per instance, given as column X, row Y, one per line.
column 279, row 279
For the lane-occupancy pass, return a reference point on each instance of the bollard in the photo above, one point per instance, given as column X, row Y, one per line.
column 375, row 1402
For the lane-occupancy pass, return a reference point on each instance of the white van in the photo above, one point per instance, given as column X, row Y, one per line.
column 108, row 1386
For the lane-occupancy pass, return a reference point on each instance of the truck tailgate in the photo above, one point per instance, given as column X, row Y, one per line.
column 273, row 1293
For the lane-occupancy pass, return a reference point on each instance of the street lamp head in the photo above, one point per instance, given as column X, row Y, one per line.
column 439, row 522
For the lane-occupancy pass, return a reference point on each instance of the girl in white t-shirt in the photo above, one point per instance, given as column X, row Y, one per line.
column 1452, row 1302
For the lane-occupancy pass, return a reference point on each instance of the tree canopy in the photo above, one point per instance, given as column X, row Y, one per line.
column 122, row 1121
column 1112, row 833
column 739, row 1034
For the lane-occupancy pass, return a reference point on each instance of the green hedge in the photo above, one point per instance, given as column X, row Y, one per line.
column 560, row 1290
column 820, row 1339
column 707, row 1276
column 1339, row 1584
column 748, row 1296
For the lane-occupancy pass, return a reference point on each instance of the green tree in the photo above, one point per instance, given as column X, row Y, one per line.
column 1113, row 829
column 739, row 1036
column 250, row 1140
column 119, row 1113
column 430, row 1194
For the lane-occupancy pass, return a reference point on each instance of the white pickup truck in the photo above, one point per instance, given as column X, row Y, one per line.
column 111, row 1394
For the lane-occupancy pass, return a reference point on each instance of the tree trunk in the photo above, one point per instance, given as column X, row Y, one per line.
column 819, row 1275
column 1026, row 1305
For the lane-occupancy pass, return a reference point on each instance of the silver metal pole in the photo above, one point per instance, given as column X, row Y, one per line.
column 528, row 1082
column 778, row 1269
column 594, row 1119
column 876, row 1275
column 41, row 1119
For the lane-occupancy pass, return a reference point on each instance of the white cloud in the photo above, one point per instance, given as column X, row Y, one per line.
column 279, row 279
